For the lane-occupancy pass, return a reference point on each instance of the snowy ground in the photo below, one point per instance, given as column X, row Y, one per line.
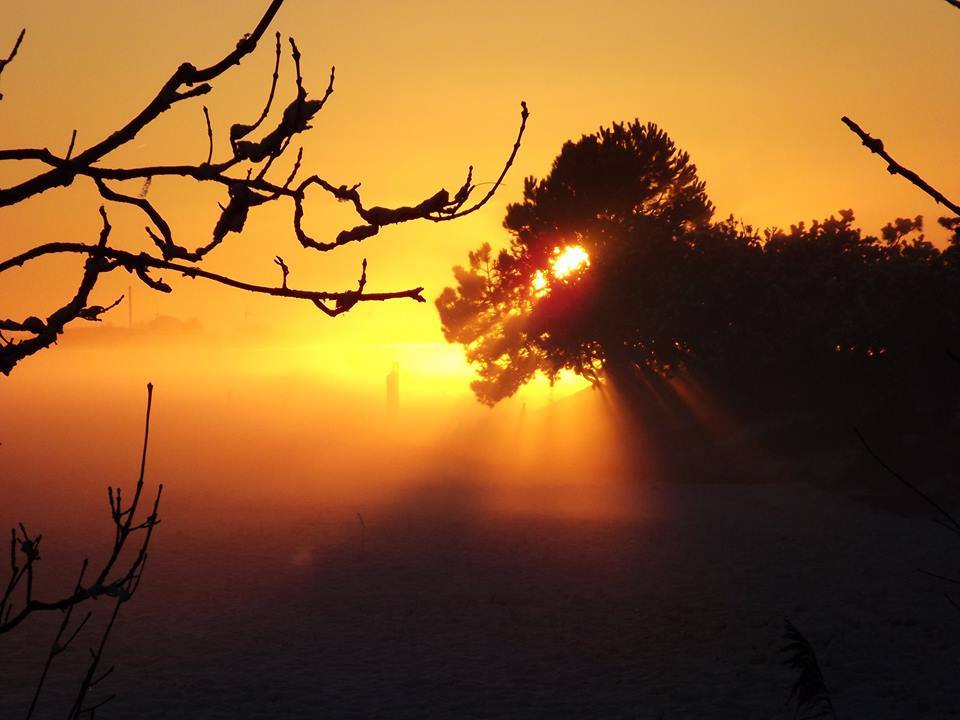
column 449, row 612
column 510, row 567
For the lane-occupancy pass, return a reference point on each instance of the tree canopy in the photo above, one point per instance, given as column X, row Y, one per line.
column 617, row 270
column 621, row 197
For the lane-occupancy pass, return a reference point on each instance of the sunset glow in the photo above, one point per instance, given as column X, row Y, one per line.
column 450, row 360
column 568, row 260
column 539, row 283
column 565, row 262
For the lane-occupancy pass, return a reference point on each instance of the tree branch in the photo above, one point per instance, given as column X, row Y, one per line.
column 185, row 76
column 467, row 187
column 121, row 587
column 243, row 175
column 142, row 263
column 59, row 645
column 46, row 332
column 950, row 522
column 875, row 145
column 13, row 53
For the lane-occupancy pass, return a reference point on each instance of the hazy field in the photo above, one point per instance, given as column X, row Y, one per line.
column 512, row 564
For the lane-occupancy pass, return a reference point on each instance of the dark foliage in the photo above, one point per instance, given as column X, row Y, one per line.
column 625, row 194
column 820, row 315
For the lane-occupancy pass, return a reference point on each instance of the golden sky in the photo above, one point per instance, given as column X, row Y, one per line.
column 753, row 90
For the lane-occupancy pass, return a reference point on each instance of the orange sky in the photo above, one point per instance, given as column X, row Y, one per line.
column 753, row 90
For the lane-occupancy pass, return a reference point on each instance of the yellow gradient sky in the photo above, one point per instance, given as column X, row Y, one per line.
column 753, row 90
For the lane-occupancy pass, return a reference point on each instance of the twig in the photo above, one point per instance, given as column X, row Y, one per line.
column 243, row 177
column 13, row 53
column 875, row 145
column 130, row 262
column 524, row 114
column 283, row 268
column 955, row 581
column 95, row 657
column 951, row 522
column 186, row 76
column 206, row 116
column 121, row 586
column 58, row 646
column 46, row 332
column 165, row 239
column 347, row 300
column 73, row 140
column 239, row 131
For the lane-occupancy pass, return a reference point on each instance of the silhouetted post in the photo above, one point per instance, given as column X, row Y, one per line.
column 393, row 390
column 130, row 306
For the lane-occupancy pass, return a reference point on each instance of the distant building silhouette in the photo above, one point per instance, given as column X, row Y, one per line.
column 393, row 390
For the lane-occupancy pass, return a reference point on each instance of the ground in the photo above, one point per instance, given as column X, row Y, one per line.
column 479, row 585
column 446, row 613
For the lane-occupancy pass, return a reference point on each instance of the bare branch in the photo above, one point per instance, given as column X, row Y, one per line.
column 185, row 76
column 245, row 46
column 875, row 145
column 124, row 528
column 243, row 176
column 955, row 581
column 165, row 240
column 950, row 521
column 59, row 645
column 13, row 53
column 293, row 172
column 375, row 217
column 239, row 131
column 73, row 140
column 206, row 116
column 524, row 114
column 134, row 262
column 121, row 588
column 283, row 268
column 46, row 332
column 347, row 300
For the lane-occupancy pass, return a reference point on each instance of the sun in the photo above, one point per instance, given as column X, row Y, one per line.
column 539, row 283
column 564, row 262
column 568, row 260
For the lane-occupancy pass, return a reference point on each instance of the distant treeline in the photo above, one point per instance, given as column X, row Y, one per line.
column 819, row 315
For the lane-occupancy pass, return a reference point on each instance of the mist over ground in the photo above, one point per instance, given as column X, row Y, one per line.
column 319, row 555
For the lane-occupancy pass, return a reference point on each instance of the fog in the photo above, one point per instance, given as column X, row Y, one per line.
column 243, row 428
column 319, row 555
